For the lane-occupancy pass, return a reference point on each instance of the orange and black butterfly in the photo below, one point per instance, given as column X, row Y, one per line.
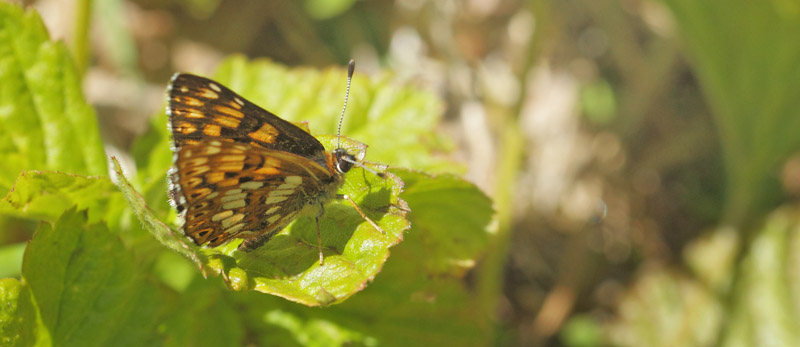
column 242, row 172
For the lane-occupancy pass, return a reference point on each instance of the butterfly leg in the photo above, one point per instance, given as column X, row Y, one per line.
column 319, row 236
column 358, row 209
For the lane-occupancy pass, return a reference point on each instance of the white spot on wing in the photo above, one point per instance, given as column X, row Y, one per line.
column 213, row 149
column 233, row 219
column 215, row 87
column 274, row 199
column 286, row 186
column 222, row 215
column 229, row 198
column 233, row 204
column 281, row 192
column 296, row 180
column 235, row 228
column 251, row 185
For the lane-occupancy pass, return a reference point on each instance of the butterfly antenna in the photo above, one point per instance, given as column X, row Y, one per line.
column 351, row 66
column 379, row 174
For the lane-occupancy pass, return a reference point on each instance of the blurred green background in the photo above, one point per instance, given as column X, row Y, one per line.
column 642, row 155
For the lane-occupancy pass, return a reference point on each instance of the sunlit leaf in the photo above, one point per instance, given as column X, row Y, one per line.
column 46, row 195
column 452, row 216
column 45, row 123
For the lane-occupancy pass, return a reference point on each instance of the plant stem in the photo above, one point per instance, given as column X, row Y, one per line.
column 80, row 35
column 491, row 271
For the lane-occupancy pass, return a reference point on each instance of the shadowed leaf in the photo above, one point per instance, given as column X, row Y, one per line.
column 86, row 287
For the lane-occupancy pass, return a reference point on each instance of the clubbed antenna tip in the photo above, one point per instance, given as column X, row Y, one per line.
column 351, row 66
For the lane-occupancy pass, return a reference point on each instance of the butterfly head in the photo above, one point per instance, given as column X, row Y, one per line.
column 344, row 160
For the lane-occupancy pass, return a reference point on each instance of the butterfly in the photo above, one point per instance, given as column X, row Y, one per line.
column 241, row 172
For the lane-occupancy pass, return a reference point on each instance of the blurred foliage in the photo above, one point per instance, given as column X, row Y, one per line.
column 666, row 308
column 746, row 59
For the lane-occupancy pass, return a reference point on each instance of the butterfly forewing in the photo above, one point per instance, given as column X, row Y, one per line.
column 200, row 108
column 234, row 190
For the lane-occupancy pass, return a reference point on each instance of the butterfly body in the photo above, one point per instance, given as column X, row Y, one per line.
column 240, row 171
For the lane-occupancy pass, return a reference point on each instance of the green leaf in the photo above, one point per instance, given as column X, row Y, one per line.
column 19, row 324
column 453, row 217
column 204, row 316
column 420, row 295
column 11, row 259
column 46, row 195
column 86, row 285
column 311, row 332
column 43, row 195
column 44, row 121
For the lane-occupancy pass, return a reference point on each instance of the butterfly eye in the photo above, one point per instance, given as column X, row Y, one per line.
column 344, row 161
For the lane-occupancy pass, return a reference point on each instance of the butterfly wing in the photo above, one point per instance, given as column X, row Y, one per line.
column 227, row 190
column 200, row 108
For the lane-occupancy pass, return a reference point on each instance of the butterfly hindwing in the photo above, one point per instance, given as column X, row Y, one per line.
column 231, row 190
column 200, row 108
